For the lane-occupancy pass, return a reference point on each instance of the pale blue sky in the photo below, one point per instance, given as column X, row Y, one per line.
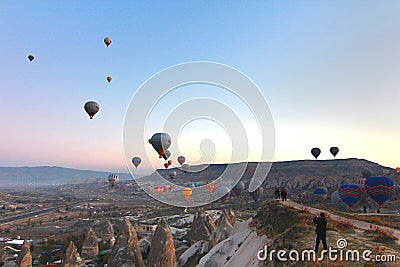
column 329, row 70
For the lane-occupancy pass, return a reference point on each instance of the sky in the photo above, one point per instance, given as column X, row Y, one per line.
column 329, row 71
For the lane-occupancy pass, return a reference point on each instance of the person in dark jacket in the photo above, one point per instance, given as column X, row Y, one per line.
column 320, row 230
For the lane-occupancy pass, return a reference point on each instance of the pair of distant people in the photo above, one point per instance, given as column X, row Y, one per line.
column 281, row 194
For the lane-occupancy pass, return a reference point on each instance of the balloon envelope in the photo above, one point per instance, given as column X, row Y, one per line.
column 186, row 167
column 109, row 79
column 398, row 169
column 181, row 160
column 334, row 151
column 320, row 193
column 107, row 41
column 113, row 179
column 30, row 57
column 379, row 188
column 257, row 193
column 91, row 108
column 160, row 142
column 239, row 188
column 366, row 173
column 172, row 174
column 315, row 152
column 136, row 161
column 350, row 194
column 187, row 192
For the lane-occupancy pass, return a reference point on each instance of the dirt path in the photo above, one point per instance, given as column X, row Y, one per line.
column 356, row 223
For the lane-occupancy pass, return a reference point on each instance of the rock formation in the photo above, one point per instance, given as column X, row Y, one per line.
column 72, row 257
column 199, row 230
column 107, row 231
column 210, row 223
column 24, row 256
column 222, row 231
column 162, row 250
column 229, row 215
column 126, row 251
column 90, row 247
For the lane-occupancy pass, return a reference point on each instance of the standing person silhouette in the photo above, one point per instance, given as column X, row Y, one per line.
column 320, row 230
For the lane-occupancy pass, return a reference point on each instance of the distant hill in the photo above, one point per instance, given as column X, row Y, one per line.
column 298, row 174
column 48, row 175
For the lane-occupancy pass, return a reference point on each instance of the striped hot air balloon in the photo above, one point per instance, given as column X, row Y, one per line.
column 159, row 189
column 187, row 192
column 350, row 194
column 379, row 188
column 320, row 193
column 361, row 182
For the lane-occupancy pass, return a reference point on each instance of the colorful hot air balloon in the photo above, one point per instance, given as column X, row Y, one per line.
column 159, row 189
column 91, row 108
column 223, row 193
column 398, row 169
column 360, row 183
column 172, row 174
column 161, row 142
column 212, row 187
column 167, row 188
column 350, row 194
column 187, row 192
column 113, row 179
column 136, row 161
column 31, row 58
column 239, row 188
column 315, row 152
column 181, row 160
column 109, row 79
column 366, row 173
column 334, row 150
column 107, row 41
column 379, row 188
column 320, row 193
column 166, row 165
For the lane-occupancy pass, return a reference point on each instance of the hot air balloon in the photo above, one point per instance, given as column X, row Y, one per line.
column 167, row 154
column 238, row 189
column 223, row 193
column 187, row 192
column 350, row 194
column 109, row 79
column 159, row 189
column 334, row 150
column 315, row 152
column 379, row 188
column 172, row 175
column 257, row 193
column 360, row 183
column 181, row 160
column 91, row 108
column 166, row 165
column 169, row 162
column 366, row 173
column 196, row 184
column 320, row 193
column 31, row 58
column 107, row 41
column 136, row 161
column 113, row 179
column 167, row 188
column 212, row 187
column 398, row 169
column 160, row 142
column 185, row 168
column 335, row 198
